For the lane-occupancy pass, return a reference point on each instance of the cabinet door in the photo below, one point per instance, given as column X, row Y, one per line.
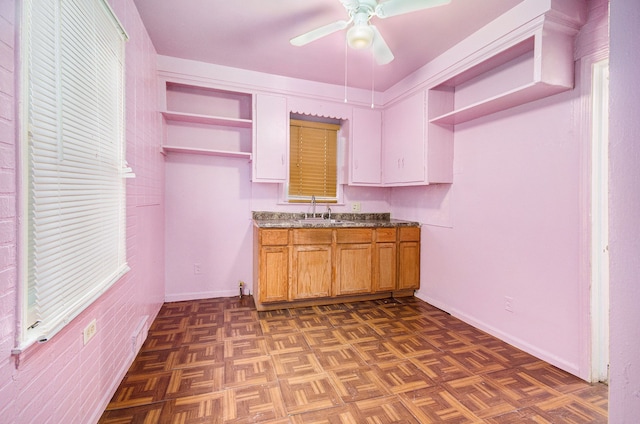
column 408, row 258
column 409, row 265
column 353, row 268
column 385, row 275
column 366, row 147
column 311, row 271
column 271, row 134
column 274, row 274
column 404, row 141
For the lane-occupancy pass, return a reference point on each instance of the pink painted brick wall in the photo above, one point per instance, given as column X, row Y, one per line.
column 63, row 381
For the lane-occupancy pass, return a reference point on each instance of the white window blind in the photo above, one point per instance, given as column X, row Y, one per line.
column 73, row 160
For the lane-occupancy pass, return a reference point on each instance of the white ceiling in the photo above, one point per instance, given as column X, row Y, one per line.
column 254, row 35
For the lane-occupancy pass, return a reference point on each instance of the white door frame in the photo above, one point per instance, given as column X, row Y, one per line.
column 599, row 297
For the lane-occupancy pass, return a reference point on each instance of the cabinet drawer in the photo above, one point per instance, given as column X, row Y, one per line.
column 385, row 235
column 274, row 237
column 312, row 236
column 354, row 235
column 409, row 233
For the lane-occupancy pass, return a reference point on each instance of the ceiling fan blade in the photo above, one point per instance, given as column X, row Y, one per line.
column 398, row 7
column 317, row 33
column 381, row 51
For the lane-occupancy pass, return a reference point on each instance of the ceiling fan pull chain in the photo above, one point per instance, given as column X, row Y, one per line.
column 373, row 70
column 346, row 50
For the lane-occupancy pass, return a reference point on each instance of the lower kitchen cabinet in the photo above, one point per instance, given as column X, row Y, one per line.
column 311, row 272
column 409, row 258
column 274, row 272
column 309, row 266
column 385, row 260
column 271, row 273
column 353, row 261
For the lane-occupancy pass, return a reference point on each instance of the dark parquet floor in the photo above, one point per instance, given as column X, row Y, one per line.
column 386, row 361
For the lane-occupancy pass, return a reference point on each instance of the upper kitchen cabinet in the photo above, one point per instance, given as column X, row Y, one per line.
column 270, row 141
column 365, row 147
column 206, row 120
column 416, row 152
column 526, row 64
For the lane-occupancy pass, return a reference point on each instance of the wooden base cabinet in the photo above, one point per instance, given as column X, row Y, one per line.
column 271, row 273
column 385, row 260
column 353, row 261
column 409, row 258
column 311, row 272
column 313, row 266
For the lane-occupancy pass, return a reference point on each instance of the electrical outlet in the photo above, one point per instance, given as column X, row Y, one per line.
column 355, row 207
column 89, row 331
column 196, row 269
column 508, row 304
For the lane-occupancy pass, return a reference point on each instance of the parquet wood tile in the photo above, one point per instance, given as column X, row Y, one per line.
column 553, row 377
column 252, row 404
column 287, row 343
column 412, row 345
column 377, row 351
column 203, row 334
column 481, row 396
column 440, row 367
column 312, row 322
column 308, row 393
column 160, row 340
column 195, row 381
column 140, row 389
column 145, row 414
column 358, row 383
column 567, row 409
column 521, row 388
column 356, row 332
column 402, row 376
column 296, row 364
column 437, row 405
column 477, row 359
column 382, row 361
column 389, row 328
column 197, row 409
column 248, row 371
column 344, row 318
column 337, row 357
column 245, row 348
column 444, row 340
column 199, row 355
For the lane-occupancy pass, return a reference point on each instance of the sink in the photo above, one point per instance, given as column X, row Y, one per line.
column 321, row 221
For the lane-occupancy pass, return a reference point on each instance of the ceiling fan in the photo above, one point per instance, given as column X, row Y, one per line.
column 362, row 34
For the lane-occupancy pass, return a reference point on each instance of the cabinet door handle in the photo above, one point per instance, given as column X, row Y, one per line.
column 282, row 159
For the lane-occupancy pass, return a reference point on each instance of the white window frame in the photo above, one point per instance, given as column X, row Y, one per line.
column 73, row 188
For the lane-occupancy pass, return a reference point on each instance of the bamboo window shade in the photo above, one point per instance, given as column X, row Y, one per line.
column 313, row 164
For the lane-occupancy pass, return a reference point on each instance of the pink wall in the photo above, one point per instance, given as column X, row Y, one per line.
column 624, row 212
column 513, row 222
column 63, row 381
column 208, row 222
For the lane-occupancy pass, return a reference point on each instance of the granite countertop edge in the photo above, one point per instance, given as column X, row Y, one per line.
column 344, row 220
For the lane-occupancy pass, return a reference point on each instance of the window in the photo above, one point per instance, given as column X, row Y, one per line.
column 73, row 195
column 313, row 161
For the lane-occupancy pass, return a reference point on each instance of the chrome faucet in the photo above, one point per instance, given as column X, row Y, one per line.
column 328, row 213
column 313, row 206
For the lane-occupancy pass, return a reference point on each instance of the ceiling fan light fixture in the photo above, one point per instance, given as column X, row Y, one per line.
column 360, row 36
